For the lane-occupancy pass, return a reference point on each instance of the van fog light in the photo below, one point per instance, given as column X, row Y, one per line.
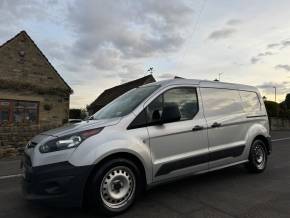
column 69, row 141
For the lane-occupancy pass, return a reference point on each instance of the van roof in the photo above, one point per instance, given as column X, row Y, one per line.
column 204, row 83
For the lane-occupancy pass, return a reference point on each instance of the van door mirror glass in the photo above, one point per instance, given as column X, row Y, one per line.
column 170, row 114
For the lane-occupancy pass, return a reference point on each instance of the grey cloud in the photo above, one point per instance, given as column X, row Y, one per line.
column 267, row 53
column 283, row 66
column 282, row 87
column 106, row 59
column 222, row 33
column 130, row 71
column 55, row 50
column 259, row 56
column 234, row 22
column 254, row 60
column 116, row 37
column 137, row 29
column 273, row 45
column 282, row 44
column 17, row 10
column 285, row 44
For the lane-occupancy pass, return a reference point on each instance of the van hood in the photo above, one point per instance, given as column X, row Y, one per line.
column 84, row 125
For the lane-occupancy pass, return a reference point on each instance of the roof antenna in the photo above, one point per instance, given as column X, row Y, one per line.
column 150, row 70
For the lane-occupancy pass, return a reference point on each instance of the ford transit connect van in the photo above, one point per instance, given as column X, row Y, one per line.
column 149, row 135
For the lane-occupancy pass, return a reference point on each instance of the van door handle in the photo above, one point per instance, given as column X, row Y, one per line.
column 197, row 128
column 216, row 124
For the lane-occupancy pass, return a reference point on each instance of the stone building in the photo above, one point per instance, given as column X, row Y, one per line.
column 110, row 94
column 33, row 96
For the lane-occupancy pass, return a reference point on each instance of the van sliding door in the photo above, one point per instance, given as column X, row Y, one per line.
column 226, row 125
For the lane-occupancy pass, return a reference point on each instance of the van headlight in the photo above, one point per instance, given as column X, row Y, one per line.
column 69, row 141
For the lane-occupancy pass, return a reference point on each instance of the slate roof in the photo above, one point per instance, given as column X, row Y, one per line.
column 110, row 94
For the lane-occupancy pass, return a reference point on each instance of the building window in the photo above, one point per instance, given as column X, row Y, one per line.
column 14, row 111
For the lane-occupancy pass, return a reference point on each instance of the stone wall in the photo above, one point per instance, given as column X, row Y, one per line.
column 19, row 135
column 53, row 109
column 13, row 134
column 277, row 123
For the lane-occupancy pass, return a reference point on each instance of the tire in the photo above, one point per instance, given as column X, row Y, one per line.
column 115, row 186
column 257, row 157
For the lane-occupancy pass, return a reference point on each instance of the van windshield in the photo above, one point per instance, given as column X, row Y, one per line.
column 125, row 104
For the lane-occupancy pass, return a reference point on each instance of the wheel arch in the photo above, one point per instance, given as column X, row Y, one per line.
column 266, row 140
column 126, row 155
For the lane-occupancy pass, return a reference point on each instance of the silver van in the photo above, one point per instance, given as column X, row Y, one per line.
column 152, row 134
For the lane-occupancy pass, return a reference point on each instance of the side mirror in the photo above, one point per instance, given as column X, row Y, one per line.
column 170, row 114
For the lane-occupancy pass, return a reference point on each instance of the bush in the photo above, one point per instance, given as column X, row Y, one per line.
column 77, row 114
column 285, row 114
column 272, row 108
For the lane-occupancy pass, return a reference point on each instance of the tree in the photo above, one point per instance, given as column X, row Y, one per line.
column 78, row 113
column 75, row 113
column 287, row 101
column 272, row 108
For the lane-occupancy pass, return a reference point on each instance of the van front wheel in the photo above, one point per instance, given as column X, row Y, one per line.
column 114, row 187
column 258, row 157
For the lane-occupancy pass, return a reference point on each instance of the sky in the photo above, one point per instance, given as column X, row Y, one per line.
column 97, row 44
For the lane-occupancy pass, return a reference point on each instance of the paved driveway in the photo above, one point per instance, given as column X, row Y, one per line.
column 226, row 193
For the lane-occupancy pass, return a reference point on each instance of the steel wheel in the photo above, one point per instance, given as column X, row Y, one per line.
column 259, row 156
column 117, row 187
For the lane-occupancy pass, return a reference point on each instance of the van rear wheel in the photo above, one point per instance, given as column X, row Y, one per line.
column 115, row 186
column 258, row 157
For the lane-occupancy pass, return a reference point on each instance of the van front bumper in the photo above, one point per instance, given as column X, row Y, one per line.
column 59, row 184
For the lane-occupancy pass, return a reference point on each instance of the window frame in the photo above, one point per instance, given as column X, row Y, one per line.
column 150, row 100
column 223, row 88
column 258, row 97
column 12, row 107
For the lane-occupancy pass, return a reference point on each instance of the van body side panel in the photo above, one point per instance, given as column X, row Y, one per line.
column 227, row 127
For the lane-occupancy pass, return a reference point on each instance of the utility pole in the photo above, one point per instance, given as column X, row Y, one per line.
column 275, row 88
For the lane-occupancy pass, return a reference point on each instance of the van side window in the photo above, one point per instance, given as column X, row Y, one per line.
column 251, row 102
column 185, row 99
column 218, row 102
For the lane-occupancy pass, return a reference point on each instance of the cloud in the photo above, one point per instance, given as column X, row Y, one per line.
column 130, row 72
column 267, row 53
column 268, row 87
column 283, row 66
column 273, row 45
column 222, row 33
column 166, row 76
column 282, row 44
column 106, row 59
column 254, row 60
column 259, row 56
column 233, row 22
column 126, row 30
column 285, row 44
